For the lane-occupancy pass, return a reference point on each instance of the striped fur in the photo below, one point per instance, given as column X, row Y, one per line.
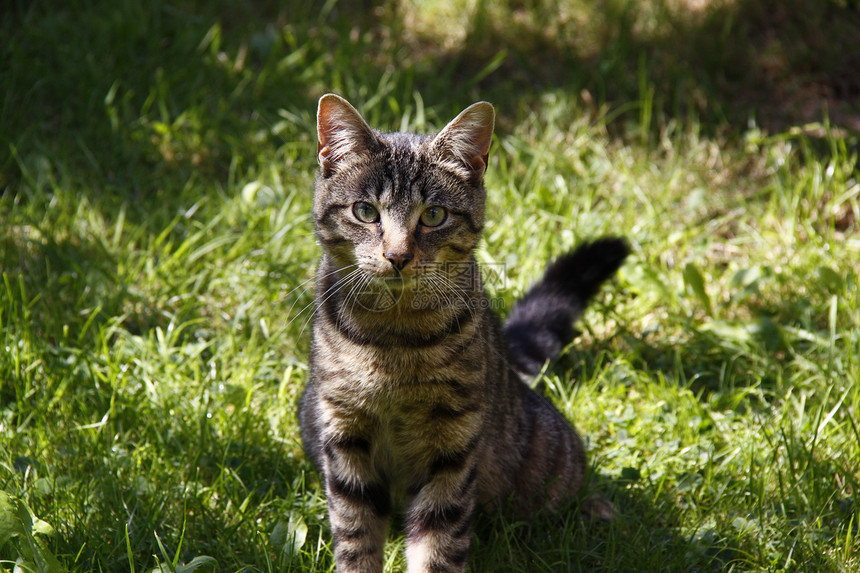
column 414, row 403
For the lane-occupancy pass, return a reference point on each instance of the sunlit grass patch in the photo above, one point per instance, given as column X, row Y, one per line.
column 157, row 261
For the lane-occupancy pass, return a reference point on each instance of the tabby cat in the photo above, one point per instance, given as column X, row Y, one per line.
column 416, row 402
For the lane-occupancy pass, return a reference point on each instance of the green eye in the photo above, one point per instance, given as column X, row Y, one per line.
column 433, row 216
column 365, row 212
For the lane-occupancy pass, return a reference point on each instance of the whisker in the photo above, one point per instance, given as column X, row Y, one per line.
column 455, row 289
column 352, row 296
column 440, row 280
column 332, row 290
column 327, row 294
column 315, row 278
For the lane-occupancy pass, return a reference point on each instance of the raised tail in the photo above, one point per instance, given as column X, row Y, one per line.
column 541, row 323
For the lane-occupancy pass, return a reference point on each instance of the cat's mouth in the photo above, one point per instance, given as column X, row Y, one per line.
column 382, row 293
column 415, row 278
column 399, row 277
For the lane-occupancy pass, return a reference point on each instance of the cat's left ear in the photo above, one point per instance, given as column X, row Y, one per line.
column 465, row 142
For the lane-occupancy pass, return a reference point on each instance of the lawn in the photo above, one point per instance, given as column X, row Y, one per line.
column 157, row 261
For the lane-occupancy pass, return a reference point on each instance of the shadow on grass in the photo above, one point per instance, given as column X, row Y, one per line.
column 647, row 535
column 698, row 514
column 146, row 93
column 779, row 63
column 144, row 104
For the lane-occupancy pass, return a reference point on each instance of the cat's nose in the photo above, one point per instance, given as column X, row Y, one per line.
column 399, row 260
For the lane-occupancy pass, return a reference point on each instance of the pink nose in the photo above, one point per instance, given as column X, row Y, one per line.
column 399, row 260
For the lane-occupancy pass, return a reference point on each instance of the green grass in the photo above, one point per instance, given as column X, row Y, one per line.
column 156, row 170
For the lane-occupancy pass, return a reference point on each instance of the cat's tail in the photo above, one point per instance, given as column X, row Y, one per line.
column 541, row 323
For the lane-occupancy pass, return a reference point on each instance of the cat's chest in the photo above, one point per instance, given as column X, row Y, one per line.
column 383, row 381
column 406, row 420
column 396, row 392
column 386, row 374
column 407, row 403
column 397, row 386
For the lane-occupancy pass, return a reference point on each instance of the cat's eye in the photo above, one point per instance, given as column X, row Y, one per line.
column 365, row 212
column 433, row 216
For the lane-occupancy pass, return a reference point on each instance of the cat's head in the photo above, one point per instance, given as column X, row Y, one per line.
column 396, row 203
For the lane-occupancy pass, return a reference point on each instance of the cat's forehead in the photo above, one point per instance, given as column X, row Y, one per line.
column 400, row 176
column 402, row 166
column 404, row 145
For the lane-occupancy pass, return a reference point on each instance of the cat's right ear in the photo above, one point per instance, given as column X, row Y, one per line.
column 342, row 132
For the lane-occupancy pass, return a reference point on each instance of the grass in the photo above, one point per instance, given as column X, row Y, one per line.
column 156, row 254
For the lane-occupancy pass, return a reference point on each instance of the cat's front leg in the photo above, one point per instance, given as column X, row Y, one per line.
column 439, row 521
column 359, row 505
